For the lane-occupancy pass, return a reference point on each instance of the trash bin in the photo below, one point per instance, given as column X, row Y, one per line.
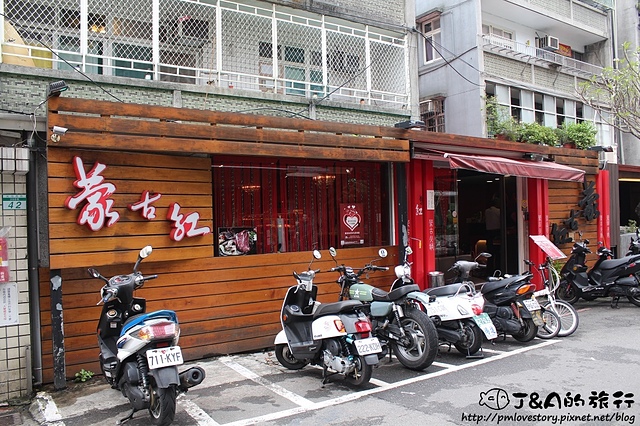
column 436, row 279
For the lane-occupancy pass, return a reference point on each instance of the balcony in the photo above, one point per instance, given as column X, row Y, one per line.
column 541, row 57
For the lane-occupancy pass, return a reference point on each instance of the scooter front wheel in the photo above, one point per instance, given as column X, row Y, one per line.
column 361, row 374
column 421, row 346
column 284, row 356
column 163, row 405
column 568, row 292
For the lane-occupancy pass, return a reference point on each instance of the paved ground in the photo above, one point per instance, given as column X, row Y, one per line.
column 255, row 389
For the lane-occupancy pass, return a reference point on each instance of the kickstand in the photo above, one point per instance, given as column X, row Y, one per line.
column 126, row 419
column 614, row 302
column 478, row 355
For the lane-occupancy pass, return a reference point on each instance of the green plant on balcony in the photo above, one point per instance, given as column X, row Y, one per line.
column 538, row 134
column 581, row 135
column 500, row 124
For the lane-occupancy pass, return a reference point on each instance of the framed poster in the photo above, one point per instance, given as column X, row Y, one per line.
column 237, row 241
column 351, row 224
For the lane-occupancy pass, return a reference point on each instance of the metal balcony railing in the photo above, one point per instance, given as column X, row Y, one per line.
column 524, row 52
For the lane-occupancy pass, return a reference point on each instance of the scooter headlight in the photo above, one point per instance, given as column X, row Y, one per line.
column 402, row 271
column 159, row 331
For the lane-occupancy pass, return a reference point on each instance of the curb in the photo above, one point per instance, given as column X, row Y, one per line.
column 45, row 411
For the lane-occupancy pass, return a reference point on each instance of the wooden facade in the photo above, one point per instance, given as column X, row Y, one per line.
column 224, row 304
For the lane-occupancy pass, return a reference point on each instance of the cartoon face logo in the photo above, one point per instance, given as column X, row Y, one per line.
column 495, row 398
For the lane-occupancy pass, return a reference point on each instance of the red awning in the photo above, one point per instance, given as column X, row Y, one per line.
column 508, row 166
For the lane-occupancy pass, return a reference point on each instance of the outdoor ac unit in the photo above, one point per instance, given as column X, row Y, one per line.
column 549, row 43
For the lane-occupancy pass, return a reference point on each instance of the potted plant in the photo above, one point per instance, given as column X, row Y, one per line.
column 538, row 134
column 500, row 124
column 581, row 135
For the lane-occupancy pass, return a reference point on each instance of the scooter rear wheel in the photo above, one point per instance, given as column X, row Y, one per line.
column 634, row 299
column 163, row 405
column 474, row 339
column 362, row 373
column 283, row 354
column 528, row 331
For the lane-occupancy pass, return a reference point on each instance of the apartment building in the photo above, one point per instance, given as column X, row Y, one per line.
column 530, row 56
column 349, row 64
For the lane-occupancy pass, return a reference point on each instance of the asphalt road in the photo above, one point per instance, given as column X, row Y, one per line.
column 589, row 378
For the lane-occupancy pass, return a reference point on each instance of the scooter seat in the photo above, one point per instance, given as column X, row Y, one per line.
column 614, row 263
column 490, row 286
column 337, row 307
column 383, row 296
column 447, row 290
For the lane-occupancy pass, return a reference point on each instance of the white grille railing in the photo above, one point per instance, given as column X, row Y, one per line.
column 514, row 49
column 211, row 42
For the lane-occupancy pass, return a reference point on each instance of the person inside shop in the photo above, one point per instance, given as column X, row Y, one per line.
column 492, row 233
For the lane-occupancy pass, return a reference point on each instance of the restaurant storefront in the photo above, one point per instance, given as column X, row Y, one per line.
column 232, row 204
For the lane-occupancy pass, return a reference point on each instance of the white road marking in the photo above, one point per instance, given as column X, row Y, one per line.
column 277, row 389
column 310, row 406
column 196, row 413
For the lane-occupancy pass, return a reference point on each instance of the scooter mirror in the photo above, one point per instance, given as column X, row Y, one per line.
column 94, row 273
column 382, row 253
column 316, row 254
column 332, row 251
column 146, row 251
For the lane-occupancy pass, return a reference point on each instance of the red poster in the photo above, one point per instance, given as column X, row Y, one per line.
column 351, row 224
column 4, row 261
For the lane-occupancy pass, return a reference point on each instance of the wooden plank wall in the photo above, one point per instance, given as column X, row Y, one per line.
column 563, row 197
column 180, row 179
column 224, row 305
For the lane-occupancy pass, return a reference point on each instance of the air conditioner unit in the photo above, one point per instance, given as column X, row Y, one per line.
column 549, row 43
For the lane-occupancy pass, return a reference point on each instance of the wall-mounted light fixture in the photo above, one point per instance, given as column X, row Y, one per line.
column 56, row 88
column 599, row 148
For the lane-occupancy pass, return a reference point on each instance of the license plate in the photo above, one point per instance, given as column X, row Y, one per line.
column 486, row 325
column 164, row 357
column 368, row 346
column 531, row 305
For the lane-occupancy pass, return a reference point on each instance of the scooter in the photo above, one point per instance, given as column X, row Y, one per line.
column 456, row 310
column 510, row 301
column 607, row 277
column 336, row 336
column 397, row 322
column 139, row 351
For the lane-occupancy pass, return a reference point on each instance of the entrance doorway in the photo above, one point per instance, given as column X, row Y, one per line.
column 478, row 198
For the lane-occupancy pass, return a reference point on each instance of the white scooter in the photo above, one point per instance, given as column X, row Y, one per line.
column 335, row 336
column 456, row 310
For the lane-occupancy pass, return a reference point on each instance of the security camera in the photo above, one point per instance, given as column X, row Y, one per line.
column 57, row 130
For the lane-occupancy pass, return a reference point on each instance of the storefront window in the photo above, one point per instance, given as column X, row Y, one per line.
column 263, row 206
column 446, row 212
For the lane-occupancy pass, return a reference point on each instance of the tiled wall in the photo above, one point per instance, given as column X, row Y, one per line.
column 15, row 340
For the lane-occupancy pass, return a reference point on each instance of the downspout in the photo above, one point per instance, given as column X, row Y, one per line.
column 32, row 259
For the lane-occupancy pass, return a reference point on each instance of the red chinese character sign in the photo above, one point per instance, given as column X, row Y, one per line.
column 97, row 209
column 97, row 195
column 351, row 224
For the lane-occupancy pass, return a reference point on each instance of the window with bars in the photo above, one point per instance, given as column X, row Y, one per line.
column 432, row 113
column 293, row 205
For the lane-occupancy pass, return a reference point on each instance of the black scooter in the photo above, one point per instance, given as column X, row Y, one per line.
column 139, row 352
column 608, row 277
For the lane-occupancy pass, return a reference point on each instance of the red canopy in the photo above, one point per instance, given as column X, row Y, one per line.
column 508, row 166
